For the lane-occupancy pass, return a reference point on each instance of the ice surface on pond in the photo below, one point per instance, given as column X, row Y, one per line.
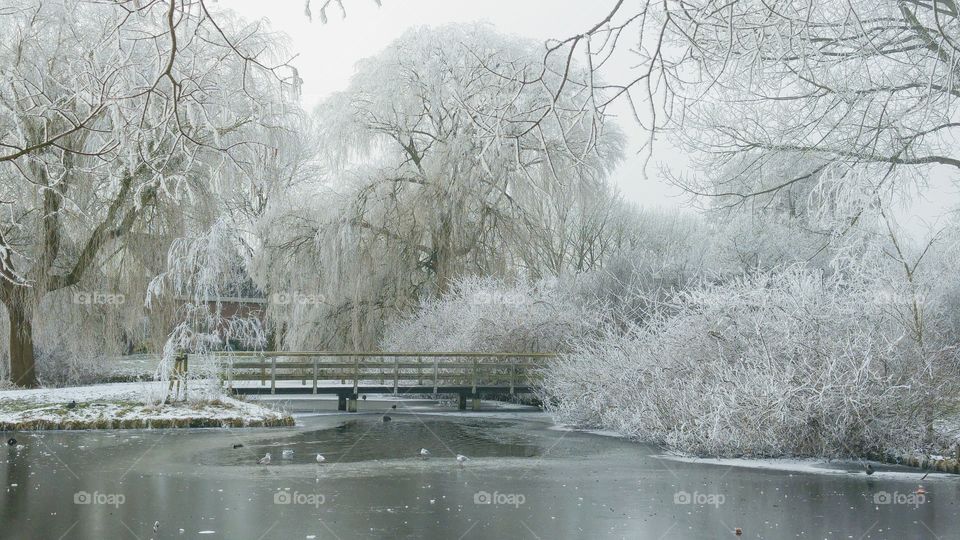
column 368, row 439
column 520, row 474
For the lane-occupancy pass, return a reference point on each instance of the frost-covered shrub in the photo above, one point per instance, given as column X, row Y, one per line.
column 486, row 315
column 634, row 286
column 780, row 363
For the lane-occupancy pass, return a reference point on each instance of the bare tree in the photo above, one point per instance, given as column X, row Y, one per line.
column 858, row 95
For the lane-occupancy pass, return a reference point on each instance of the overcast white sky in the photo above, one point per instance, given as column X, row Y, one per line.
column 328, row 52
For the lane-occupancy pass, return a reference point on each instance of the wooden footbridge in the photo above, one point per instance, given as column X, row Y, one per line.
column 351, row 374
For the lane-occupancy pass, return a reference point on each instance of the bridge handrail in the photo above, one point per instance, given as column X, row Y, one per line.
column 381, row 353
column 516, row 362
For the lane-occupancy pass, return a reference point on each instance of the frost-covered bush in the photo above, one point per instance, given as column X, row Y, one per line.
column 664, row 253
column 487, row 315
column 780, row 363
column 635, row 284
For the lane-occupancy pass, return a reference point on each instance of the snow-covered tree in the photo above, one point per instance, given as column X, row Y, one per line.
column 122, row 125
column 441, row 166
column 453, row 147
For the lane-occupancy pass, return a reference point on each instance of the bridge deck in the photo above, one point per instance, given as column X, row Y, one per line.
column 349, row 374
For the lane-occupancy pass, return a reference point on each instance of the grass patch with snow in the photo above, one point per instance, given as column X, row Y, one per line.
column 129, row 406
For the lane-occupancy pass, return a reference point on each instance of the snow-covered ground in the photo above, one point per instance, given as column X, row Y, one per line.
column 128, row 405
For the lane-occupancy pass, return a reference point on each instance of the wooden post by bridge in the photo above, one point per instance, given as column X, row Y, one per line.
column 178, row 377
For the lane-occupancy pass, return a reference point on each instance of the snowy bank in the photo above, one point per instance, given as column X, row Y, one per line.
column 816, row 466
column 128, row 406
column 947, row 465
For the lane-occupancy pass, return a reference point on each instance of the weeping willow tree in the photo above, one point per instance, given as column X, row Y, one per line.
column 122, row 126
column 452, row 152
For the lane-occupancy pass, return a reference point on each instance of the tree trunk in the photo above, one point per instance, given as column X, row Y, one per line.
column 22, row 362
column 442, row 258
column 443, row 272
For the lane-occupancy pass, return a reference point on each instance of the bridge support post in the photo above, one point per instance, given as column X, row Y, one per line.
column 462, row 405
column 341, row 402
column 352, row 405
column 476, row 402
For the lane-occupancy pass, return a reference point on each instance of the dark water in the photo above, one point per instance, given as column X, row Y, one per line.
column 367, row 439
column 523, row 481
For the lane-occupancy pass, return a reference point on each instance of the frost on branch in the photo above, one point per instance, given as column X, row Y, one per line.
column 863, row 91
column 324, row 4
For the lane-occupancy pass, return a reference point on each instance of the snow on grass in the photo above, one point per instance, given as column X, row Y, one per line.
column 129, row 406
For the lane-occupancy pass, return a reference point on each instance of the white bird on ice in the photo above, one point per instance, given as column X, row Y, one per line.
column 461, row 459
column 287, row 453
column 265, row 460
column 320, row 458
column 424, row 452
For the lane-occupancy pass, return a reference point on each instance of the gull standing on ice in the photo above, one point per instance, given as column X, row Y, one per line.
column 320, row 458
column 424, row 453
column 461, row 459
column 265, row 460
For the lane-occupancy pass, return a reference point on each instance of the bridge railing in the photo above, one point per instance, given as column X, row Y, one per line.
column 396, row 371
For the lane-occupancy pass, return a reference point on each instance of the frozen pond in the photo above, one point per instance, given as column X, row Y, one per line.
column 524, row 480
